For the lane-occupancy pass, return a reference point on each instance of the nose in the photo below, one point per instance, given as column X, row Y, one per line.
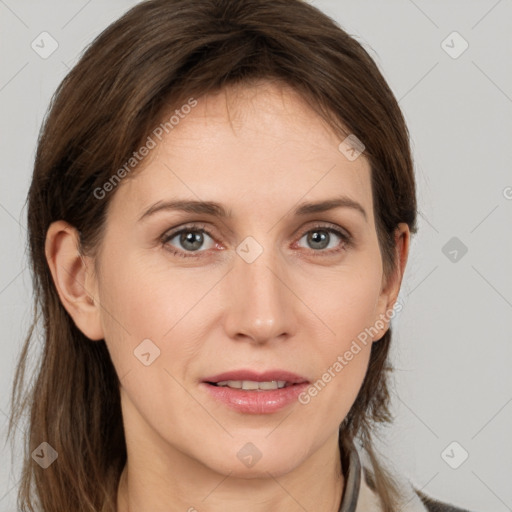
column 261, row 306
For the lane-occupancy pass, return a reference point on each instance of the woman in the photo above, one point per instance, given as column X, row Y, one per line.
column 247, row 370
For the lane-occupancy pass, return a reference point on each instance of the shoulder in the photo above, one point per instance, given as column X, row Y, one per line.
column 361, row 496
column 433, row 505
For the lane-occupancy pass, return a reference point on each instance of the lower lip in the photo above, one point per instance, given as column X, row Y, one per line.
column 256, row 402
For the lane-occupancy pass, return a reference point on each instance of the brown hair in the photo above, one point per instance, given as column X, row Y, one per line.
column 154, row 57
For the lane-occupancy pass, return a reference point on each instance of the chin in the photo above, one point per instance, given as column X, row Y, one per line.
column 241, row 466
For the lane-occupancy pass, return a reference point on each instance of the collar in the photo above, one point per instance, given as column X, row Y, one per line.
column 358, row 495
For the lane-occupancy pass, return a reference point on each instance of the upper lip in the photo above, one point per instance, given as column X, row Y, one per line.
column 266, row 376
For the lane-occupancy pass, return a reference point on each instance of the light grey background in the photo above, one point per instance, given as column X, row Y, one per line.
column 453, row 338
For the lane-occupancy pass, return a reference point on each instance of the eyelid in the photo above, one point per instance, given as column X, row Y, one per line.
column 328, row 226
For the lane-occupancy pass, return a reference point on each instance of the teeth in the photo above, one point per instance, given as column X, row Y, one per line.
column 251, row 385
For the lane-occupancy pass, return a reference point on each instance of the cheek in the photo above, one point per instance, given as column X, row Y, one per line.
column 347, row 304
column 343, row 368
column 145, row 313
column 347, row 307
column 147, row 299
column 141, row 301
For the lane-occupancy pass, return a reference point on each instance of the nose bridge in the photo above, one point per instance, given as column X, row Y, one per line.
column 260, row 304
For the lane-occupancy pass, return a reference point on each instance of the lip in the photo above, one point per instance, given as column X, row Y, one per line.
column 266, row 376
column 256, row 402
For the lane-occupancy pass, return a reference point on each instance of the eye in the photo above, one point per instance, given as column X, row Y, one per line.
column 321, row 238
column 189, row 239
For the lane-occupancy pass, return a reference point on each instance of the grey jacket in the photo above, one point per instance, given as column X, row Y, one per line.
column 359, row 494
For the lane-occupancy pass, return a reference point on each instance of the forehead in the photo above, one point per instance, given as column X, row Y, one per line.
column 261, row 144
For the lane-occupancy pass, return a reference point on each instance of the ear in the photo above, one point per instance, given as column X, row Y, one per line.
column 391, row 285
column 74, row 278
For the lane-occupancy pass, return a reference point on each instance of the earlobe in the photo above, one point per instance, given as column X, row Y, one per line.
column 74, row 279
column 391, row 285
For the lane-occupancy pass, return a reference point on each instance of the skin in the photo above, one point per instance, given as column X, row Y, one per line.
column 260, row 151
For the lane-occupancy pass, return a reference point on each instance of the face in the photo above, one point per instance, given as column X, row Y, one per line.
column 186, row 295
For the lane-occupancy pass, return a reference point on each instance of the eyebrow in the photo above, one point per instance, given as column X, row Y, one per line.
column 217, row 210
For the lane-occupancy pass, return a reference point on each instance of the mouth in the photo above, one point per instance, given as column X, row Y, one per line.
column 251, row 385
column 248, row 380
column 249, row 392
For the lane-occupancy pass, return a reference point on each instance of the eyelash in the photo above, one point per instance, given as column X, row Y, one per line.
column 201, row 228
